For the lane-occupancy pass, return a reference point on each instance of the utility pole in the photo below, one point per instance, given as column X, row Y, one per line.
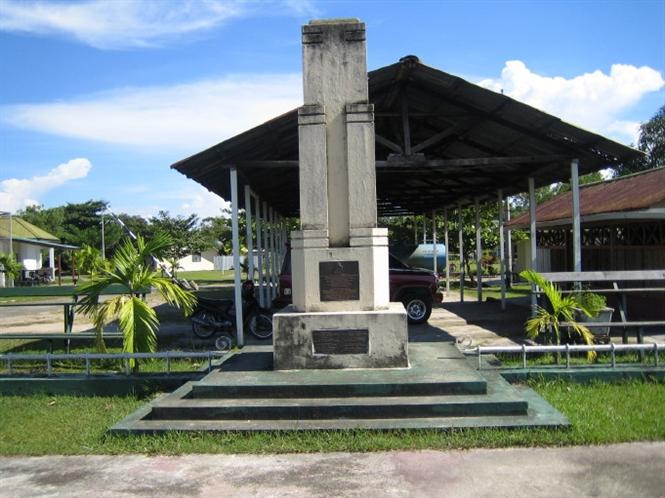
column 103, row 243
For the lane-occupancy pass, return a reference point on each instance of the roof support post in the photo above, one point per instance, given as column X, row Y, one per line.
column 479, row 254
column 240, row 340
column 445, row 242
column 424, row 228
column 502, row 251
column 415, row 230
column 434, row 248
column 249, row 236
column 509, row 249
column 273, row 259
column 266, row 257
column 577, row 239
column 460, row 234
column 532, row 238
column 259, row 249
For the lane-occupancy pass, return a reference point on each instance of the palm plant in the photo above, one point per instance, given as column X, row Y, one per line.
column 131, row 268
column 9, row 266
column 547, row 321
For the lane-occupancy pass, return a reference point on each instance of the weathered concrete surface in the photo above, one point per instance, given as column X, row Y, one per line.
column 625, row 470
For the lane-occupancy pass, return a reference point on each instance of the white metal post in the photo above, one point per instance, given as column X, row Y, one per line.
column 435, row 250
column 236, row 257
column 532, row 234
column 479, row 254
column 445, row 242
column 502, row 251
column 259, row 250
column 461, row 252
column 266, row 257
column 424, row 228
column 577, row 238
column 509, row 247
column 415, row 230
column 273, row 259
column 249, row 237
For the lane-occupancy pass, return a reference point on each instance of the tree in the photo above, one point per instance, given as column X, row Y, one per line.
column 185, row 236
column 652, row 143
column 130, row 267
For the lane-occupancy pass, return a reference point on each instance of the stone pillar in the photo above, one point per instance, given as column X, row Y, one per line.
column 341, row 315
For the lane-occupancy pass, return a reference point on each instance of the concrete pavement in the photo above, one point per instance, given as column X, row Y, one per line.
column 623, row 470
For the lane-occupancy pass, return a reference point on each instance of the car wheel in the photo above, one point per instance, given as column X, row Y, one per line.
column 418, row 308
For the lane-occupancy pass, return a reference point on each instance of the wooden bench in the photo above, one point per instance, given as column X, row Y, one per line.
column 69, row 302
column 612, row 280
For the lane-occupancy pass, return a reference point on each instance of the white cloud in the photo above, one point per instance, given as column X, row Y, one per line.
column 117, row 24
column 593, row 100
column 19, row 193
column 203, row 203
column 183, row 117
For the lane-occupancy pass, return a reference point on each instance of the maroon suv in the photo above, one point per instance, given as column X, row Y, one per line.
column 416, row 288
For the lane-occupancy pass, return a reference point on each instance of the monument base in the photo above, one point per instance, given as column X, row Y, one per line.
column 340, row 339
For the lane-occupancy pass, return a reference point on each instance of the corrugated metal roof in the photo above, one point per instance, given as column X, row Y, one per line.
column 472, row 122
column 23, row 229
column 636, row 192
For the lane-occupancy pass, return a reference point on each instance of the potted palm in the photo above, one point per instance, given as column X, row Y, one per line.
column 131, row 267
column 562, row 308
column 598, row 311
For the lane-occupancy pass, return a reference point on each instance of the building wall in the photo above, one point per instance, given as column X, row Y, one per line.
column 29, row 255
column 206, row 263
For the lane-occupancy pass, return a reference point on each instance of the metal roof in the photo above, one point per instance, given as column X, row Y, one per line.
column 461, row 141
column 21, row 228
column 633, row 197
column 44, row 243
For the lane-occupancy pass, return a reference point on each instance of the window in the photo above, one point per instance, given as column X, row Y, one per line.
column 196, row 257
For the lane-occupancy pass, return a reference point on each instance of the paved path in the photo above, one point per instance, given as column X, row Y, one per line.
column 625, row 470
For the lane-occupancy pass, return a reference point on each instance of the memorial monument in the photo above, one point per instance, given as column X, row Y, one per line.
column 341, row 316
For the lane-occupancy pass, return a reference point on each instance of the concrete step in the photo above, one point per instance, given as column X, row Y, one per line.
column 169, row 408
column 291, row 390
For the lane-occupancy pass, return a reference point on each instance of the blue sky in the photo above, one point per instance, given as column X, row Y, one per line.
column 98, row 98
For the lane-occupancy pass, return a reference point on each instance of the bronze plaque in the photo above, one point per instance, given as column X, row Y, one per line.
column 339, row 281
column 341, row 341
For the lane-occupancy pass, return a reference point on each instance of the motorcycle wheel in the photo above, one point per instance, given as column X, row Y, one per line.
column 223, row 343
column 203, row 331
column 260, row 325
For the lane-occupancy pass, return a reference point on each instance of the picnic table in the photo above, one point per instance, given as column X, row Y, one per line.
column 621, row 284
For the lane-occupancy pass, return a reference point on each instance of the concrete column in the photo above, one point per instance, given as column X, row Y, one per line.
column 479, row 254
column 502, row 251
column 313, row 171
column 434, row 248
column 361, row 165
column 460, row 233
column 577, row 237
column 240, row 340
column 532, row 234
column 445, row 242
column 259, row 251
column 249, row 236
column 336, row 74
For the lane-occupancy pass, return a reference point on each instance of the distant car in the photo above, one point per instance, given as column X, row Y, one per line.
column 416, row 288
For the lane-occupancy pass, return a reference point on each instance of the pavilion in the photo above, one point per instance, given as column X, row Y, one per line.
column 441, row 143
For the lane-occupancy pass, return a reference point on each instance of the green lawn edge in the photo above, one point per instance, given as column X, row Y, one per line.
column 600, row 413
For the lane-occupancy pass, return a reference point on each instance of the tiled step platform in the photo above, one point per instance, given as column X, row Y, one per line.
column 440, row 390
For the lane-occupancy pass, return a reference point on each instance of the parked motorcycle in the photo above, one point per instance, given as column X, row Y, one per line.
column 212, row 316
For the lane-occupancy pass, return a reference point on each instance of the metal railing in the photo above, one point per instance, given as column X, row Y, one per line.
column 567, row 349
column 87, row 358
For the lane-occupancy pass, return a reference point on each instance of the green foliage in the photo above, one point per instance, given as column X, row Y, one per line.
column 591, row 302
column 89, row 260
column 562, row 309
column 652, row 143
column 9, row 265
column 130, row 267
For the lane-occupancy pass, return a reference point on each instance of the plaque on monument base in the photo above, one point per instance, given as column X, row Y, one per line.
column 350, row 339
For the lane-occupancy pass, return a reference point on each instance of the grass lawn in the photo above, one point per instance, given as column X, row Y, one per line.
column 207, row 276
column 600, row 414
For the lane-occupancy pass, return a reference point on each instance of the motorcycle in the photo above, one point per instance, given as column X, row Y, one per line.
column 212, row 316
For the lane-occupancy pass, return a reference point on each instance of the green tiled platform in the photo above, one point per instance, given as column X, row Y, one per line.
column 440, row 390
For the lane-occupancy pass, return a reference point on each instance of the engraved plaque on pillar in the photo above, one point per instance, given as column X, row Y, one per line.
column 339, row 281
column 341, row 341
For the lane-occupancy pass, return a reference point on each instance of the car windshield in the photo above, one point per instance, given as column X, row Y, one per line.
column 395, row 263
